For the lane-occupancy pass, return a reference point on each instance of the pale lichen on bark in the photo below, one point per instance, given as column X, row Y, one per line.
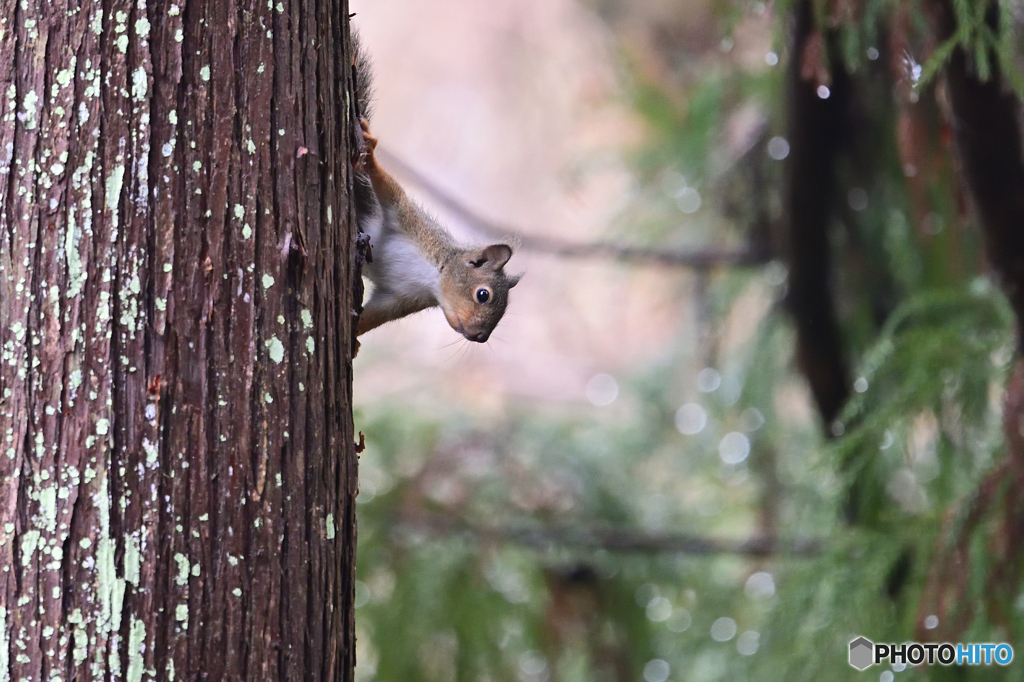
column 165, row 263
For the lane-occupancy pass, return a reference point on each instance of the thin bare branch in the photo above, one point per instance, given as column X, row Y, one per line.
column 692, row 258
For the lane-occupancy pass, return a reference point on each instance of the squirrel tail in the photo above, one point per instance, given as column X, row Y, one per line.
column 367, row 206
column 363, row 76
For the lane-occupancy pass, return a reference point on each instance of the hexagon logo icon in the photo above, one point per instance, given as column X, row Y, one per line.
column 861, row 653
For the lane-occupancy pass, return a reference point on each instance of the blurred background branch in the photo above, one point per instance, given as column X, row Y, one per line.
column 818, row 134
column 549, row 537
column 704, row 258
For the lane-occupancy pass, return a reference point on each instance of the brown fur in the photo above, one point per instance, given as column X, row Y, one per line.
column 462, row 272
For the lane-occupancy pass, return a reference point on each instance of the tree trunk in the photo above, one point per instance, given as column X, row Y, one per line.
column 177, row 470
column 817, row 133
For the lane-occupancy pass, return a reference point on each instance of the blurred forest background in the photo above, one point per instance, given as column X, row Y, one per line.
column 770, row 406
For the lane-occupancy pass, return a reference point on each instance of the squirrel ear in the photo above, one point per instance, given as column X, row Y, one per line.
column 494, row 256
column 514, row 280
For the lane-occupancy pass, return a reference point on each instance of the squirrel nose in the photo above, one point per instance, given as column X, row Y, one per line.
column 479, row 337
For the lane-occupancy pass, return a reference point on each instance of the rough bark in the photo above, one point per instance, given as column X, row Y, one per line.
column 817, row 130
column 177, row 473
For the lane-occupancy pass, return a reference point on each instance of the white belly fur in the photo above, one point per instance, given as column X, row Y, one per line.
column 398, row 266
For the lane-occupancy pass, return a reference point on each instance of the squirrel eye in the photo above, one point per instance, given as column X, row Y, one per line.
column 482, row 295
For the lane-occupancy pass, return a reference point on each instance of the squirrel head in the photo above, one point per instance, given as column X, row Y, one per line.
column 474, row 290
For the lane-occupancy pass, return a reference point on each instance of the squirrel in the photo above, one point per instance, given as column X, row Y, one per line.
column 415, row 263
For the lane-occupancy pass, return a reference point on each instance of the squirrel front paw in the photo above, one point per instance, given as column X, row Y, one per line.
column 366, row 160
column 369, row 141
